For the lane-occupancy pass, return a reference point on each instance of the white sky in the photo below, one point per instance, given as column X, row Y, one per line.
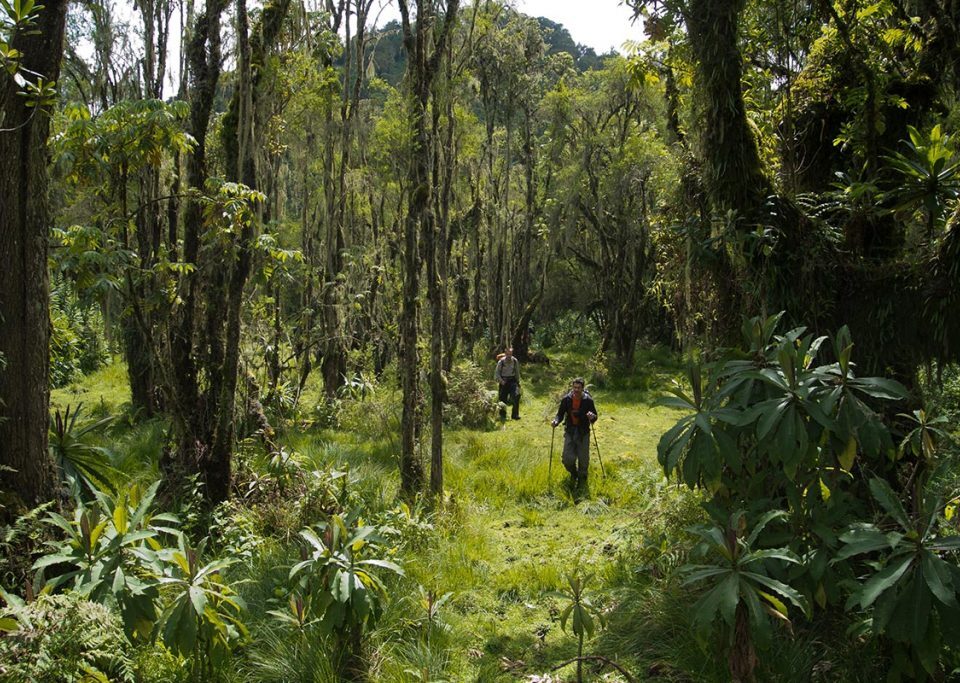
column 600, row 24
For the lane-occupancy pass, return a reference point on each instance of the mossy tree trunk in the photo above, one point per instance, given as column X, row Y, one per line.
column 192, row 347
column 424, row 44
column 25, row 220
column 732, row 168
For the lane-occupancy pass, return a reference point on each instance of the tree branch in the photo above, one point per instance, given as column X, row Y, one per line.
column 602, row 660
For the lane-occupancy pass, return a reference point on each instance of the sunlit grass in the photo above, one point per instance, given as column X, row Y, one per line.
column 102, row 392
column 509, row 530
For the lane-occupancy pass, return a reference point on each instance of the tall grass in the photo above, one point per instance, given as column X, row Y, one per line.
column 279, row 656
column 507, row 533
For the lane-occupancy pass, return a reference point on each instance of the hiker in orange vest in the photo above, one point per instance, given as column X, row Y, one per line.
column 577, row 411
column 507, row 375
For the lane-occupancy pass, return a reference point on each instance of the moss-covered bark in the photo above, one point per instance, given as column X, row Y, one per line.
column 25, row 219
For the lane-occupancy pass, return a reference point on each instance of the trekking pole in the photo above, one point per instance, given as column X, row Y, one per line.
column 553, row 437
column 596, row 445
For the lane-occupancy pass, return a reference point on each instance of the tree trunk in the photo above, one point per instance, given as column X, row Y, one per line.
column 422, row 67
column 189, row 409
column 733, row 171
column 743, row 658
column 140, row 370
column 24, row 283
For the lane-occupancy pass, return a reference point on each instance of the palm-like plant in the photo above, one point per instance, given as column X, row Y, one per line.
column 111, row 549
column 922, row 439
column 928, row 175
column 913, row 595
column 202, row 620
column 769, row 409
column 76, row 457
column 742, row 593
column 580, row 611
column 342, row 579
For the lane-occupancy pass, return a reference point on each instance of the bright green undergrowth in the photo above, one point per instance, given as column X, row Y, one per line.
column 508, row 531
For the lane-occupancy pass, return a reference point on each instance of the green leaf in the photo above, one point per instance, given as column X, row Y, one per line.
column 675, row 402
column 889, row 501
column 671, row 457
column 781, row 588
column 750, row 597
column 706, row 607
column 849, row 453
column 48, row 560
column 883, row 580
column 180, row 629
column 771, row 416
column 880, row 387
column 145, row 502
column 782, row 554
column 386, row 564
column 864, row 539
column 697, row 573
column 198, row 599
column 565, row 615
column 729, row 597
column 919, row 604
column 342, row 586
column 946, row 544
column 762, row 524
column 937, row 575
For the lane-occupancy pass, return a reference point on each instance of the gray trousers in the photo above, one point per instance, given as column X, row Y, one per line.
column 576, row 453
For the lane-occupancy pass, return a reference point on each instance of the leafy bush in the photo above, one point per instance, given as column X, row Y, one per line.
column 765, row 421
column 338, row 589
column 112, row 554
column 598, row 371
column 109, row 553
column 742, row 592
column 911, row 595
column 766, row 429
column 78, row 459
column 570, row 330
column 407, row 528
column 469, row 402
column 64, row 638
column 65, row 349
column 76, row 342
column 201, row 620
column 326, row 413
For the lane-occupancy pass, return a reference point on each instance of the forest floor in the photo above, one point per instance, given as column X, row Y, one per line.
column 511, row 529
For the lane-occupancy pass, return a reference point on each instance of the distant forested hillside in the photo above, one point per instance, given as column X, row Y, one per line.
column 388, row 60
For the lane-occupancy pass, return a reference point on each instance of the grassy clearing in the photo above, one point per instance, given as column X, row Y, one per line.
column 509, row 531
column 521, row 534
column 103, row 392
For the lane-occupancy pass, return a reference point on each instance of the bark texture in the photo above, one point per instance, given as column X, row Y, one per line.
column 24, row 284
column 424, row 51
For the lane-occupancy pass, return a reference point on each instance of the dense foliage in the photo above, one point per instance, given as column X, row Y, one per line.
column 266, row 267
